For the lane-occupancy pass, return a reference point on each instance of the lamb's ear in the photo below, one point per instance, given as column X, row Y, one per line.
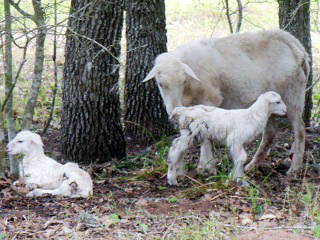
column 37, row 139
column 189, row 71
column 154, row 72
column 273, row 97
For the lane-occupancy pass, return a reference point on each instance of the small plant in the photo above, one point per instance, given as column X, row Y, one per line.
column 315, row 230
column 2, row 236
column 257, row 204
column 172, row 199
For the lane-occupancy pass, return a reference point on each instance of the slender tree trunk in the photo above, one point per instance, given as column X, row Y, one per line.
column 91, row 127
column 8, row 84
column 3, row 163
column 294, row 17
column 145, row 115
column 38, row 67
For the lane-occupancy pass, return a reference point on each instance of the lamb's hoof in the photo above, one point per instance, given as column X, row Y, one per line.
column 172, row 182
column 32, row 193
column 249, row 167
column 243, row 182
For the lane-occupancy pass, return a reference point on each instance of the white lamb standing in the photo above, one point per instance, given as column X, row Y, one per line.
column 45, row 175
column 234, row 127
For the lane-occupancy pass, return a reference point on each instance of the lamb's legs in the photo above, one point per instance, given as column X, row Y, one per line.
column 68, row 189
column 269, row 133
column 298, row 147
column 175, row 163
column 239, row 155
column 207, row 163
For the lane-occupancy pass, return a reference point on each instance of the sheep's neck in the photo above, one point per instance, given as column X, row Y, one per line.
column 35, row 154
column 260, row 115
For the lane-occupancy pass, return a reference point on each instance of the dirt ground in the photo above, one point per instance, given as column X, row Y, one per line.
column 138, row 204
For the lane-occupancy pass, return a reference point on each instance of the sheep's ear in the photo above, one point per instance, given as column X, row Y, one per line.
column 189, row 71
column 154, row 72
column 37, row 139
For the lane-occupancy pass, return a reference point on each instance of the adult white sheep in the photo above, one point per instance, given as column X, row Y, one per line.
column 233, row 127
column 231, row 72
column 45, row 175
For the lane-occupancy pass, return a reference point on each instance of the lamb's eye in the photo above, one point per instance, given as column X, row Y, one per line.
column 185, row 81
column 20, row 141
column 278, row 102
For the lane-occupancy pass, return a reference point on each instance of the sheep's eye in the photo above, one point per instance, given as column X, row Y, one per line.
column 278, row 102
column 20, row 141
column 185, row 81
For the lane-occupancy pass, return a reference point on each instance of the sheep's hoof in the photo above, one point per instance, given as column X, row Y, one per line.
column 294, row 173
column 206, row 172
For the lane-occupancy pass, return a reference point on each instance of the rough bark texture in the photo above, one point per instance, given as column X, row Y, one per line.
column 294, row 17
column 145, row 115
column 91, row 127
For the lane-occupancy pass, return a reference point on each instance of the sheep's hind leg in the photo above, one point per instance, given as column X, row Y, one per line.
column 239, row 158
column 207, row 163
column 269, row 133
column 175, row 158
column 298, row 147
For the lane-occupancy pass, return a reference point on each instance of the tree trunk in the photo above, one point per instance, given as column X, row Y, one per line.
column 294, row 17
column 39, row 19
column 91, row 127
column 145, row 115
column 14, row 170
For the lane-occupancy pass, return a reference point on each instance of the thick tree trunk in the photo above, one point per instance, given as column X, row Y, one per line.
column 294, row 17
column 91, row 127
column 145, row 115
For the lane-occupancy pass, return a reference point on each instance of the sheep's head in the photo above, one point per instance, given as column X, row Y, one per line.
column 24, row 142
column 171, row 76
column 276, row 105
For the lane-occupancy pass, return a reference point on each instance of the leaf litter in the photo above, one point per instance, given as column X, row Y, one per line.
column 147, row 208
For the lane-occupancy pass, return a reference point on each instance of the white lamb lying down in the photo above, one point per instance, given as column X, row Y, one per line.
column 234, row 127
column 45, row 175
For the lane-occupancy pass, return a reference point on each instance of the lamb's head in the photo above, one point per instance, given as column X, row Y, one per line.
column 171, row 76
column 276, row 105
column 24, row 143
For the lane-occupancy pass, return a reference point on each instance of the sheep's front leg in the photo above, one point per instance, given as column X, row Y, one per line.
column 239, row 155
column 175, row 161
column 207, row 163
column 269, row 134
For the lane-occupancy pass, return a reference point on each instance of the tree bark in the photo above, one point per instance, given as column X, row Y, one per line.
column 14, row 170
column 91, row 127
column 145, row 115
column 294, row 17
column 39, row 19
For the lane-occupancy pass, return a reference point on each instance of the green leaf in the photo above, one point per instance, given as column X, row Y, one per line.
column 144, row 227
column 115, row 218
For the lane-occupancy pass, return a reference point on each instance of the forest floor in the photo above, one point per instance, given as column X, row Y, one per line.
column 132, row 203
